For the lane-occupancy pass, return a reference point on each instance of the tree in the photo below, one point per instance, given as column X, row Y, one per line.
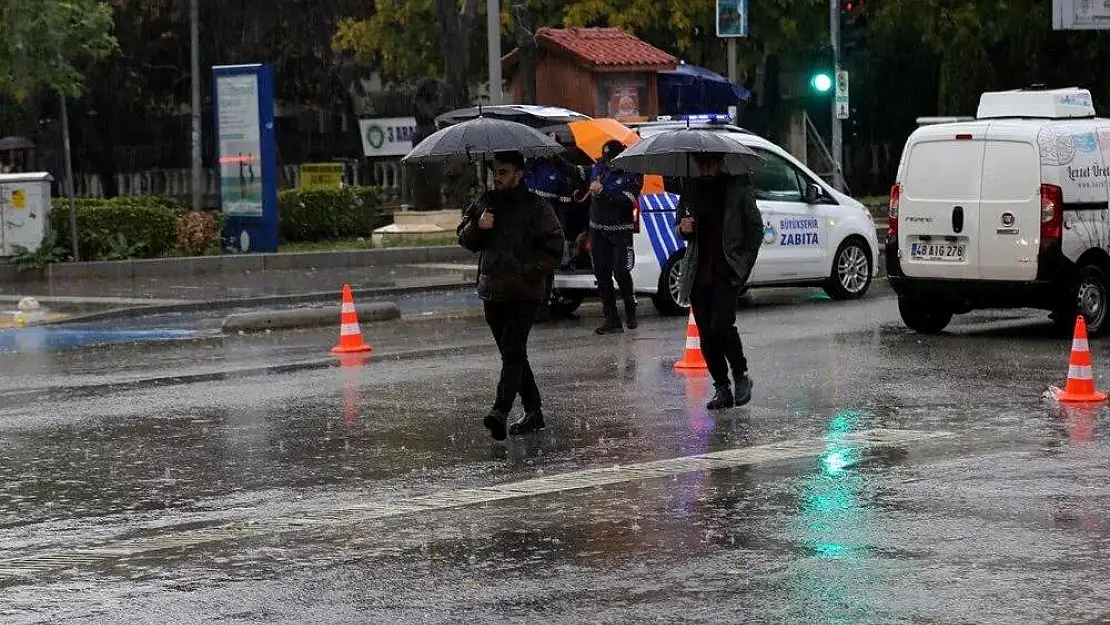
column 409, row 40
column 43, row 41
column 981, row 46
column 413, row 39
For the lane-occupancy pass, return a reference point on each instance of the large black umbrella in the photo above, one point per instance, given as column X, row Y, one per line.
column 482, row 138
column 527, row 114
column 15, row 143
column 673, row 153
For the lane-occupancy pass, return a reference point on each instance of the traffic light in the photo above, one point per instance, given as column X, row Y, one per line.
column 853, row 25
column 821, row 79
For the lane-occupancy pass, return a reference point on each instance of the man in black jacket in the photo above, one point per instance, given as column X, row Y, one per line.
column 612, row 223
column 718, row 217
column 521, row 244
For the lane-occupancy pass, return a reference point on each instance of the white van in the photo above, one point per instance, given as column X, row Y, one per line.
column 1006, row 211
column 812, row 236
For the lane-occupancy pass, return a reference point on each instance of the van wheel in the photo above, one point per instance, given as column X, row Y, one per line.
column 1092, row 297
column 564, row 303
column 666, row 297
column 851, row 271
column 922, row 317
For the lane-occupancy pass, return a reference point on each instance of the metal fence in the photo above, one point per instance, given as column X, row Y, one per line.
column 387, row 174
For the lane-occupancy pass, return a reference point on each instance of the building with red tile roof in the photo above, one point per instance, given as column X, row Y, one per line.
column 602, row 72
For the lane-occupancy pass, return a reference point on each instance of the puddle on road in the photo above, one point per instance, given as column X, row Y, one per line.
column 49, row 338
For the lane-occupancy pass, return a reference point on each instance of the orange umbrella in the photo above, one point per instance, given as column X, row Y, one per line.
column 591, row 135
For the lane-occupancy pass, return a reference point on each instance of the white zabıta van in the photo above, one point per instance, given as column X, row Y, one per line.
column 813, row 235
column 1008, row 210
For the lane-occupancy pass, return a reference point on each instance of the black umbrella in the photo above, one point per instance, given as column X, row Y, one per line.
column 527, row 114
column 673, row 153
column 15, row 143
column 482, row 138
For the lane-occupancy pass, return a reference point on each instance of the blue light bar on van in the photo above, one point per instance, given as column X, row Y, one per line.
column 703, row 118
column 709, row 118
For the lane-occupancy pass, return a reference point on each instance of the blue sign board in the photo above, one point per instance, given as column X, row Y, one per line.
column 732, row 18
column 246, row 156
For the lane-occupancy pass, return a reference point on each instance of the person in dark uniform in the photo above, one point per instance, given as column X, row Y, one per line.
column 612, row 222
column 719, row 219
column 553, row 180
column 521, row 243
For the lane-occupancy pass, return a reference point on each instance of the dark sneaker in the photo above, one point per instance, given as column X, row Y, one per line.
column 610, row 328
column 495, row 421
column 530, row 422
column 630, row 317
column 722, row 399
column 743, row 390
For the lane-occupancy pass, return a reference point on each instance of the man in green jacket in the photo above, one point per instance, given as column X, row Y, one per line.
column 719, row 219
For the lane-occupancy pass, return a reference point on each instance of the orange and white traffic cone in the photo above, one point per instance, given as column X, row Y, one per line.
column 693, row 358
column 350, row 335
column 1081, row 381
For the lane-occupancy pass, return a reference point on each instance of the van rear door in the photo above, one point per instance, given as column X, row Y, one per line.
column 1009, row 205
column 939, row 209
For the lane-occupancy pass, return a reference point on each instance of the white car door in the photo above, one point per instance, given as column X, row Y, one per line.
column 794, row 233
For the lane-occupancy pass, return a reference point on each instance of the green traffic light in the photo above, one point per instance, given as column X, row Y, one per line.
column 821, row 82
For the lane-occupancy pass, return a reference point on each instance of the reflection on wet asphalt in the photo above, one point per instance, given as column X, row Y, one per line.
column 1005, row 522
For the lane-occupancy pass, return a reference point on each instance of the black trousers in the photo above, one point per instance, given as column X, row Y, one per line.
column 511, row 322
column 613, row 257
column 714, row 304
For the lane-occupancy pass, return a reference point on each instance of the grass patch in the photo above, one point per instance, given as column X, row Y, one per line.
column 325, row 246
column 423, row 241
column 366, row 244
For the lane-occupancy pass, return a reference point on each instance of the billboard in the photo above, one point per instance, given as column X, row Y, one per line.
column 246, row 156
column 732, row 18
column 1081, row 14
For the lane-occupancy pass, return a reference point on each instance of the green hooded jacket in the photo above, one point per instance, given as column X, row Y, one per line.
column 741, row 238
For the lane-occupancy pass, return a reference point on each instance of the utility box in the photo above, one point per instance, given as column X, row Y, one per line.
column 24, row 211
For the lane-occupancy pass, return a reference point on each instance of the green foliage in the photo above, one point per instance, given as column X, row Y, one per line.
column 48, row 252
column 148, row 226
column 41, row 41
column 120, row 249
column 401, row 37
column 688, row 29
column 325, row 214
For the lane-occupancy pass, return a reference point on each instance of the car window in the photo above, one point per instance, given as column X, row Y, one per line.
column 777, row 180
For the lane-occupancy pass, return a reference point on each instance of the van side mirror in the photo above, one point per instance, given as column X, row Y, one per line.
column 813, row 193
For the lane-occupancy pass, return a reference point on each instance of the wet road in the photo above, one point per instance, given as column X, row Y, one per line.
column 248, row 480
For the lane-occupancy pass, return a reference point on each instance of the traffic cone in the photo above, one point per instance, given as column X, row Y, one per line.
column 350, row 335
column 1081, row 381
column 693, row 359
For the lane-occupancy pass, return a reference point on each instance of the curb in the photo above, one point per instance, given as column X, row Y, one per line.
column 307, row 317
column 250, row 302
column 237, row 263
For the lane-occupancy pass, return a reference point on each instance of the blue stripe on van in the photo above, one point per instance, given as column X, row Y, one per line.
column 658, row 215
column 651, row 224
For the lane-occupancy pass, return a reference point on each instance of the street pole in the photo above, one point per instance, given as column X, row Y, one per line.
column 194, row 43
column 733, row 73
column 68, row 155
column 493, row 43
column 837, row 131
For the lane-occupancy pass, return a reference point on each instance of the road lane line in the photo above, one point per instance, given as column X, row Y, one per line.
column 19, row 569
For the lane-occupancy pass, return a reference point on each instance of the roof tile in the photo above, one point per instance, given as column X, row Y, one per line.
column 605, row 47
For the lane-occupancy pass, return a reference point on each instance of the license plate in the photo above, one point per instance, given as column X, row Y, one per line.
column 951, row 252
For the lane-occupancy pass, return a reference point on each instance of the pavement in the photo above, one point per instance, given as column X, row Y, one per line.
column 69, row 301
column 878, row 476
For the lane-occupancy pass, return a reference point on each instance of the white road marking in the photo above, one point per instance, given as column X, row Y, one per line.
column 358, row 513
